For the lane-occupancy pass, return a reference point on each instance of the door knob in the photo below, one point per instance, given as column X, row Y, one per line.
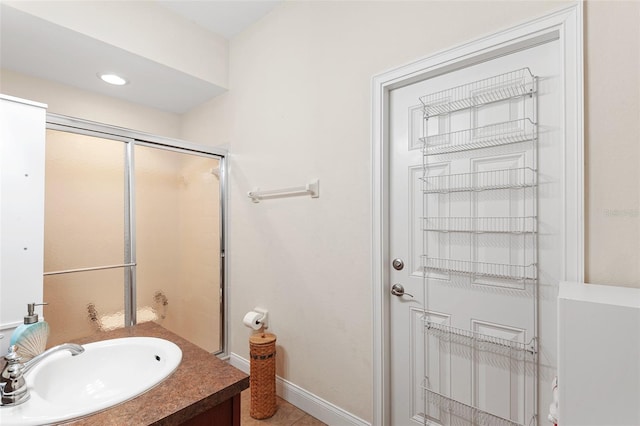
column 398, row 290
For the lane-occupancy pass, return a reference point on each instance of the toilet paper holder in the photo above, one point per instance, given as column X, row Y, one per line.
column 262, row 319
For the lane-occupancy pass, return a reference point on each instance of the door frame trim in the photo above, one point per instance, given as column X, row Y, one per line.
column 566, row 25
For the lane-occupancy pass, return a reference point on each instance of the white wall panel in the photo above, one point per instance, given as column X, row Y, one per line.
column 22, row 127
column 599, row 355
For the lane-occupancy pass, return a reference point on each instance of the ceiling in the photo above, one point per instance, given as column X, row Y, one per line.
column 39, row 48
column 226, row 18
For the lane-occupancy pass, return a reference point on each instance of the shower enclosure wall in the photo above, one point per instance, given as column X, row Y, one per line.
column 133, row 233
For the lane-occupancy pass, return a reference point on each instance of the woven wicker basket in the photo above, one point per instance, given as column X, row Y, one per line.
column 262, row 351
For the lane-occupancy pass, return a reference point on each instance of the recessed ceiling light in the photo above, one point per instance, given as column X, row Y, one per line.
column 114, row 79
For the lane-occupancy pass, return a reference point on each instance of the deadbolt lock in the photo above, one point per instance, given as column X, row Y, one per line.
column 398, row 264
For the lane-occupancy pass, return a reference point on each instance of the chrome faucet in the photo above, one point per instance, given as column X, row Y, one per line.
column 13, row 387
column 71, row 347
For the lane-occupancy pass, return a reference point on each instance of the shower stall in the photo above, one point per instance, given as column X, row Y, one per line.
column 134, row 232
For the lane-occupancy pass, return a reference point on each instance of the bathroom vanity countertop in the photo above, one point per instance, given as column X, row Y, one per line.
column 200, row 382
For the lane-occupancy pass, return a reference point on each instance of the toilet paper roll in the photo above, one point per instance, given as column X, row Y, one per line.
column 252, row 320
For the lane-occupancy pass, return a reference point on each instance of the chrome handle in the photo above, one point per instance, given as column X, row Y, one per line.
column 398, row 290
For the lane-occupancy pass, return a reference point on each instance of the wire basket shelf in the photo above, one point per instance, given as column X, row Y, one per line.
column 481, row 269
column 471, row 415
column 481, row 225
column 478, row 340
column 480, row 181
column 494, row 89
column 509, row 132
column 516, row 93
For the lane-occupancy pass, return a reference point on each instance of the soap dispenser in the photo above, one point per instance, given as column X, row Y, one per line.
column 30, row 338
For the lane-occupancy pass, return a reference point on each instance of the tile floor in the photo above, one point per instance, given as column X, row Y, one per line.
column 287, row 414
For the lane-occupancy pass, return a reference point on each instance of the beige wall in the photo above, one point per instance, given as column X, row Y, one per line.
column 612, row 141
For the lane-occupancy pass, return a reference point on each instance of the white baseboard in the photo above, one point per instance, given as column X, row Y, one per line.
column 305, row 400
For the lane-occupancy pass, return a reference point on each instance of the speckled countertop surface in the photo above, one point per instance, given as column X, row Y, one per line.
column 200, row 382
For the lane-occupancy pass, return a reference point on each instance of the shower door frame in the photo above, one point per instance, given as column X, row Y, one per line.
column 132, row 138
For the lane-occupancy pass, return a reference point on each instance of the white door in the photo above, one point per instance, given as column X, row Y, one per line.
column 462, row 337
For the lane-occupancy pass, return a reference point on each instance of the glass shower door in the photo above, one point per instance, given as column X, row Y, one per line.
column 84, row 231
column 178, row 242
column 132, row 234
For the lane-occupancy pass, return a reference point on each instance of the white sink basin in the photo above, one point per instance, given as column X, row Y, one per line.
column 109, row 372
